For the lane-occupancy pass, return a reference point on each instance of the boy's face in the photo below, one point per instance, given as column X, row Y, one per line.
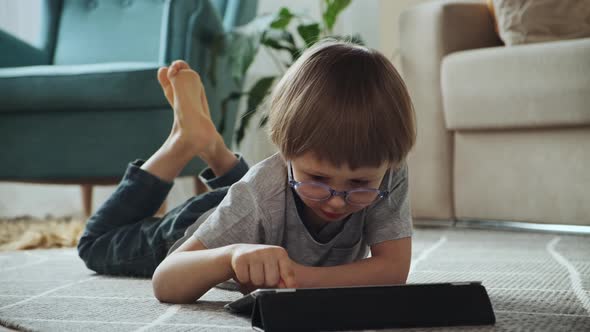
column 309, row 168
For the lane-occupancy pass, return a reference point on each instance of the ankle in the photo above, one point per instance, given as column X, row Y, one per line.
column 219, row 157
column 179, row 147
column 213, row 152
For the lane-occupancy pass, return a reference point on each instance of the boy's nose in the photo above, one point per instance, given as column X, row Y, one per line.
column 336, row 202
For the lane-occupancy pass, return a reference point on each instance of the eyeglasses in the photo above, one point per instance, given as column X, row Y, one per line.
column 316, row 191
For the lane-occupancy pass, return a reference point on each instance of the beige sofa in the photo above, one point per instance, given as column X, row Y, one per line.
column 503, row 132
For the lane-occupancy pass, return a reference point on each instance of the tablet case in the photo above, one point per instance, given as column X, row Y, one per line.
column 356, row 308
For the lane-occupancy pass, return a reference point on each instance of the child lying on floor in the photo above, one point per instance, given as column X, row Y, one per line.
column 305, row 217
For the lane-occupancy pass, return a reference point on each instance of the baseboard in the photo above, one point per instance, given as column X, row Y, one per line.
column 504, row 225
column 433, row 223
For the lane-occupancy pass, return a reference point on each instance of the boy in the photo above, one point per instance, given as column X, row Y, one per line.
column 305, row 217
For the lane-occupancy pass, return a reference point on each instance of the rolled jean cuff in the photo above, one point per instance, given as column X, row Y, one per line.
column 227, row 179
column 147, row 188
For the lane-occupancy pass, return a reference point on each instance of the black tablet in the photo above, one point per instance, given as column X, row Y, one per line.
column 367, row 307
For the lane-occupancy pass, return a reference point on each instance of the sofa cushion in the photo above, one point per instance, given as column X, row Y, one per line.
column 536, row 85
column 80, row 87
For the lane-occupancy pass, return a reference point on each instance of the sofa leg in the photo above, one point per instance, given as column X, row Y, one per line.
column 86, row 199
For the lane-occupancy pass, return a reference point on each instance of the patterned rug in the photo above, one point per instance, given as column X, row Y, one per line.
column 536, row 282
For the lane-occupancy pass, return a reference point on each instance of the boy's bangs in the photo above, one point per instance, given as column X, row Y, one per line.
column 341, row 131
column 347, row 105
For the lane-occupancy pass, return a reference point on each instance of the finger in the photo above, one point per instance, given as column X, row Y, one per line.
column 271, row 273
column 287, row 273
column 242, row 273
column 257, row 274
column 282, row 284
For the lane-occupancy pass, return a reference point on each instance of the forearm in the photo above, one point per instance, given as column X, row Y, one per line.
column 183, row 277
column 369, row 271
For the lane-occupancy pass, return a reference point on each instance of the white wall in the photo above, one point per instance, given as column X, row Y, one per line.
column 21, row 18
column 374, row 20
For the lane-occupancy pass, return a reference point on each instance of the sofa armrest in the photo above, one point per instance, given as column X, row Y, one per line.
column 429, row 32
column 443, row 27
column 17, row 53
column 540, row 85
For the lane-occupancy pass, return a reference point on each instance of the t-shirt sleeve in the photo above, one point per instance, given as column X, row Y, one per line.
column 390, row 218
column 236, row 220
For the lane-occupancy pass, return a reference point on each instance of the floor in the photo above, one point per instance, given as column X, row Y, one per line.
column 535, row 281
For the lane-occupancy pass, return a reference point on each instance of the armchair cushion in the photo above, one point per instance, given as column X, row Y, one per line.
column 81, row 87
column 528, row 86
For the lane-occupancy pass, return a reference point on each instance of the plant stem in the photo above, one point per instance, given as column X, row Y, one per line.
column 322, row 11
column 275, row 60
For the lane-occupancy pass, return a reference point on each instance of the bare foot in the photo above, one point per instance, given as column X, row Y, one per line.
column 193, row 128
column 165, row 84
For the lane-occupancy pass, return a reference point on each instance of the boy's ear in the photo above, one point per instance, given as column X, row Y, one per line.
column 283, row 158
column 395, row 165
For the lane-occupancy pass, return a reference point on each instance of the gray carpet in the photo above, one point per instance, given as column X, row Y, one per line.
column 536, row 281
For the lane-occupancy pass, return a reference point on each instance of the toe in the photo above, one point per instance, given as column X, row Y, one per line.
column 163, row 76
column 177, row 66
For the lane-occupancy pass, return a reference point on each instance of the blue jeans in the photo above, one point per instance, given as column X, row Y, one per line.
column 124, row 238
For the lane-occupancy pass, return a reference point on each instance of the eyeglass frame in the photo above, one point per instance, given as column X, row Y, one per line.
column 294, row 183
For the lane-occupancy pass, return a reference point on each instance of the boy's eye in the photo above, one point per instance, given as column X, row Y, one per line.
column 318, row 178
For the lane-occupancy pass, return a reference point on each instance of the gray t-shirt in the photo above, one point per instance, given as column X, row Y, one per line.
column 261, row 209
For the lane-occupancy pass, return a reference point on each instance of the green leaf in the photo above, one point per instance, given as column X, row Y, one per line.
column 284, row 37
column 242, row 51
column 333, row 9
column 263, row 121
column 310, row 33
column 255, row 97
column 280, row 40
column 283, row 19
column 259, row 91
column 244, row 43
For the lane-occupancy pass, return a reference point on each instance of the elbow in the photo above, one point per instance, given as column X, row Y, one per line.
column 393, row 273
column 394, row 278
column 159, row 286
column 399, row 281
column 398, row 276
column 165, row 289
column 169, row 288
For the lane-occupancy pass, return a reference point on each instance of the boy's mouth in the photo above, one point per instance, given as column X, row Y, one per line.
column 332, row 215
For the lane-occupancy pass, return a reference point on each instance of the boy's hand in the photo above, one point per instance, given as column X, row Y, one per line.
column 259, row 266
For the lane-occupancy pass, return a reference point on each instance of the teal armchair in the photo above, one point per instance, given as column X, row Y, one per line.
column 84, row 102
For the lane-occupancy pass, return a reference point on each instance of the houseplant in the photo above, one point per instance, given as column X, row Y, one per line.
column 274, row 33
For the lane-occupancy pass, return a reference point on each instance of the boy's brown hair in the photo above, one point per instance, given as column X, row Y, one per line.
column 345, row 103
